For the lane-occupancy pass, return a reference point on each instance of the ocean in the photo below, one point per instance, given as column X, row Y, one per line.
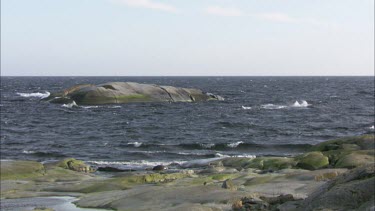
column 260, row 116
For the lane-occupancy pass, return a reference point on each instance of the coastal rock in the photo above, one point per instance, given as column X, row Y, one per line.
column 159, row 168
column 15, row 170
column 312, row 161
column 75, row 165
column 128, row 92
column 349, row 191
column 228, row 184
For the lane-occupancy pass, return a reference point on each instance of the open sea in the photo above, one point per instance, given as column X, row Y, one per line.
column 260, row 116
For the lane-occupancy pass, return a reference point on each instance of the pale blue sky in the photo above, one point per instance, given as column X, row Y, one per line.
column 191, row 37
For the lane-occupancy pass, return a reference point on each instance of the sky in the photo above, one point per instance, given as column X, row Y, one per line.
column 187, row 38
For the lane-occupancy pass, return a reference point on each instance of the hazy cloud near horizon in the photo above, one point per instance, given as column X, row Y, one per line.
column 165, row 37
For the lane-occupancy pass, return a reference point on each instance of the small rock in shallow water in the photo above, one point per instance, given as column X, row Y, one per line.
column 159, row 168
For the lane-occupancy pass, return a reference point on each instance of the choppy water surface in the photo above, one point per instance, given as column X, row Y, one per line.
column 260, row 116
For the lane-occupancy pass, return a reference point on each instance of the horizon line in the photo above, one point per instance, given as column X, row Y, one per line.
column 187, row 75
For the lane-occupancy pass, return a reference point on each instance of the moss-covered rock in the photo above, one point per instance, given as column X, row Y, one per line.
column 75, row 165
column 365, row 142
column 126, row 182
column 15, row 170
column 128, row 92
column 312, row 161
column 355, row 159
column 271, row 163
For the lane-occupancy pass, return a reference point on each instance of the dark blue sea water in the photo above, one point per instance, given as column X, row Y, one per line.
column 260, row 116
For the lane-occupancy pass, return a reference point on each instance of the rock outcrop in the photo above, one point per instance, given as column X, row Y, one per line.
column 128, row 92
column 353, row 190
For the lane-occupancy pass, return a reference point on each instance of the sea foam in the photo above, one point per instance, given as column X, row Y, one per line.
column 246, row 107
column 36, row 94
column 70, row 105
column 302, row 104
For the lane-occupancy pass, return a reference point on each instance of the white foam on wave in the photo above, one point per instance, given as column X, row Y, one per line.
column 234, row 145
column 243, row 156
column 272, row 106
column 219, row 155
column 372, row 128
column 207, row 145
column 36, row 94
column 28, row 152
column 70, row 105
column 303, row 104
column 88, row 107
column 140, row 163
column 135, row 144
column 246, row 107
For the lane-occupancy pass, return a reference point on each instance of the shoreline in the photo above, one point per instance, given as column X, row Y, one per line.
column 227, row 183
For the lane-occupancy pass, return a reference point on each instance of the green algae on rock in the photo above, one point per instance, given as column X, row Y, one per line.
column 75, row 165
column 312, row 161
column 15, row 170
column 128, row 92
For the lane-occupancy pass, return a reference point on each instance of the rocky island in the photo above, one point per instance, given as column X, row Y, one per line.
column 128, row 92
column 334, row 175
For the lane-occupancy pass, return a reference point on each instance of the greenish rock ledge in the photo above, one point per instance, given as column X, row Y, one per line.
column 128, row 92
column 333, row 175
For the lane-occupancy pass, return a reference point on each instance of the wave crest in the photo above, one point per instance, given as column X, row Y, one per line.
column 302, row 104
column 36, row 94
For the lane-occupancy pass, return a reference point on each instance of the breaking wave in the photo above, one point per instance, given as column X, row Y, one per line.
column 70, row 105
column 302, row 104
column 36, row 94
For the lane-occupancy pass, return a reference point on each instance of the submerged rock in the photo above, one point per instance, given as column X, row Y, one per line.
column 127, row 92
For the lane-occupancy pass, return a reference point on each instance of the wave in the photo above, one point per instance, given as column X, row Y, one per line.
column 88, row 107
column 70, row 105
column 372, row 127
column 36, row 94
column 302, row 104
column 207, row 145
column 272, row 106
column 234, row 145
column 42, row 154
column 246, row 107
column 239, row 145
column 28, row 152
column 135, row 144
column 140, row 164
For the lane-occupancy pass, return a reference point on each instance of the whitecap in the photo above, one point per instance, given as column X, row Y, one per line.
column 115, row 106
column 272, row 106
column 70, row 105
column 234, row 145
column 88, row 107
column 207, row 145
column 135, row 144
column 28, row 152
column 372, row 127
column 134, row 164
column 36, row 94
column 244, row 156
column 303, row 104
column 246, row 107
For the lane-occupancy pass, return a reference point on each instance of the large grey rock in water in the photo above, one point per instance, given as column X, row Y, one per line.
column 127, row 92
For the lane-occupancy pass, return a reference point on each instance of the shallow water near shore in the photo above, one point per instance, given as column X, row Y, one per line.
column 260, row 116
column 55, row 203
